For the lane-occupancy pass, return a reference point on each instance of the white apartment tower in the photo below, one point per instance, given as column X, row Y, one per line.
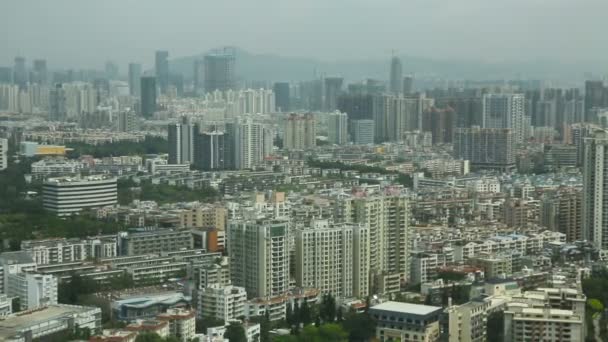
column 252, row 142
column 337, row 129
column 333, row 258
column 259, row 256
column 504, row 111
column 595, row 192
column 181, row 142
column 3, row 154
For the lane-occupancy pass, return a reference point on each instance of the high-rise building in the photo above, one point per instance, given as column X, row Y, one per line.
column 337, row 128
column 329, row 257
column 6, row 75
column 248, row 143
column 3, row 154
column 440, row 122
column 181, row 142
column 596, row 96
column 396, row 76
column 57, row 99
column 111, row 70
column 219, row 71
column 387, row 217
column 148, row 96
column 333, row 88
column 209, row 150
column 199, row 76
column 20, row 72
column 562, row 211
column 300, row 131
column 259, row 256
column 162, row 70
column 505, row 111
column 40, row 72
column 362, row 132
column 394, row 115
column 281, row 94
column 408, row 85
column 468, row 110
column 134, row 79
column 595, row 191
column 485, row 148
column 127, row 121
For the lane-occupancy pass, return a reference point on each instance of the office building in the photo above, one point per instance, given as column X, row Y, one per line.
column 134, row 79
column 300, row 132
column 485, row 148
column 162, row 70
column 333, row 88
column 505, row 111
column 329, row 258
column 138, row 242
column 40, row 72
column 219, row 71
column 148, row 96
column 3, row 154
column 209, row 150
column 282, row 96
column 406, row 322
column 362, row 132
column 181, row 142
column 226, row 303
column 199, row 76
column 387, row 218
column 259, row 256
column 20, row 73
column 337, row 128
column 33, row 290
column 396, row 76
column 595, row 192
column 67, row 196
column 356, row 106
column 408, row 85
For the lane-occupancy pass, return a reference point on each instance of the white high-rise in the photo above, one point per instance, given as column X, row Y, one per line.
column 504, row 111
column 595, row 192
column 333, row 258
column 181, row 142
column 259, row 256
column 337, row 128
column 3, row 154
column 252, row 141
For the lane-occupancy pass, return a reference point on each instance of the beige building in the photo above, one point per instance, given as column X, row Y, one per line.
column 203, row 217
column 523, row 322
column 468, row 322
column 182, row 323
column 300, row 131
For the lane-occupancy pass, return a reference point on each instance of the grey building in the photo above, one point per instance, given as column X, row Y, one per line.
column 396, row 76
column 181, row 142
column 485, row 148
column 333, row 88
column 143, row 241
column 281, row 95
column 363, row 132
column 162, row 70
column 209, row 151
column 148, row 96
column 134, row 79
column 219, row 71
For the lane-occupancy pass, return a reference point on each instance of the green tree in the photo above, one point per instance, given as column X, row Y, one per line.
column 235, row 333
column 360, row 327
column 495, row 326
column 207, row 322
column 328, row 308
column 305, row 314
column 595, row 305
column 148, row 337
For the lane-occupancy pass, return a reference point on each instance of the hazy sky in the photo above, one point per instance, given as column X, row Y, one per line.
column 86, row 33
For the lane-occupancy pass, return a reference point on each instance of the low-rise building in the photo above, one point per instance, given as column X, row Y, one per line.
column 182, row 323
column 222, row 302
column 406, row 322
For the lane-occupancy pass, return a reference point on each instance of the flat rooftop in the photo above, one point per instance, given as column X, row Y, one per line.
column 15, row 323
column 407, row 308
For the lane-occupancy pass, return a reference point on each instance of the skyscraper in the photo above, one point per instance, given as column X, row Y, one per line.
column 281, row 94
column 362, row 131
column 209, row 150
column 485, row 148
column 219, row 71
column 337, row 128
column 181, row 142
column 333, row 88
column 595, row 190
column 199, row 76
column 40, row 73
column 111, row 70
column 162, row 70
column 596, row 96
column 57, row 99
column 396, row 76
column 440, row 122
column 300, row 131
column 20, row 72
column 134, row 79
column 251, row 141
column 148, row 96
column 259, row 257
column 408, row 85
column 504, row 111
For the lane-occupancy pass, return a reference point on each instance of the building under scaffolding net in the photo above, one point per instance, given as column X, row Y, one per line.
column 219, row 70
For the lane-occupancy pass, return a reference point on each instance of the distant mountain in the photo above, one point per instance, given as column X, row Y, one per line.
column 268, row 67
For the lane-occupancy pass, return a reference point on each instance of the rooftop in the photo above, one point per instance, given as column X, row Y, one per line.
column 408, row 308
